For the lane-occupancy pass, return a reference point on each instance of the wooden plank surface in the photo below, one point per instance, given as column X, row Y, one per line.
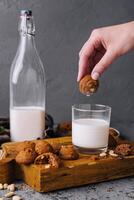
column 7, row 172
column 86, row 173
column 73, row 173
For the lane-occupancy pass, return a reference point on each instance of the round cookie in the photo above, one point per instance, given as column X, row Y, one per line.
column 49, row 159
column 87, row 85
column 26, row 156
column 24, row 145
column 68, row 152
column 43, row 147
column 65, row 126
column 124, row 149
column 56, row 147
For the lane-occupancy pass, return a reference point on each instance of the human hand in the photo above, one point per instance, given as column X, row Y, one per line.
column 103, row 47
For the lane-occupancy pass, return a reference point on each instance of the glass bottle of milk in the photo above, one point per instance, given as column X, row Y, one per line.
column 27, row 85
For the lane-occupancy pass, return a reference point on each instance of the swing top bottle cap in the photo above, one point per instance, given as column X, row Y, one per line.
column 26, row 23
column 26, row 12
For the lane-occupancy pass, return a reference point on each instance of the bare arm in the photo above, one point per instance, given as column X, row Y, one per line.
column 103, row 47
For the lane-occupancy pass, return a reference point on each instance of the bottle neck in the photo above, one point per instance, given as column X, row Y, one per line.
column 27, row 32
column 27, row 41
column 26, row 25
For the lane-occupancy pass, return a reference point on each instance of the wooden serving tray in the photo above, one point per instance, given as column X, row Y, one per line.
column 74, row 173
column 7, row 170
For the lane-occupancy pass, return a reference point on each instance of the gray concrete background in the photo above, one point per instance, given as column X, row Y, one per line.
column 112, row 190
column 62, row 26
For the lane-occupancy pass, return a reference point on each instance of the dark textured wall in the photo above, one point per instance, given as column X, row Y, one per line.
column 62, row 26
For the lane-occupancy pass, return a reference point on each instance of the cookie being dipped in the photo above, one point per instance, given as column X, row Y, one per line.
column 87, row 85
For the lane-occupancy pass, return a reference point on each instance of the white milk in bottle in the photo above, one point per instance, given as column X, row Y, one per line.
column 27, row 85
column 27, row 123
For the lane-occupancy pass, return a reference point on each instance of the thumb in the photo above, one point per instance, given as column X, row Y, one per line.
column 103, row 64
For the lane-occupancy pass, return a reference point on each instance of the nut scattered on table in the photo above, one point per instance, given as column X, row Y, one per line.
column 9, row 194
column 16, row 197
column 1, row 186
column 70, row 166
column 103, row 154
column 111, row 153
column 87, row 85
column 11, row 187
column 47, row 166
column 5, row 186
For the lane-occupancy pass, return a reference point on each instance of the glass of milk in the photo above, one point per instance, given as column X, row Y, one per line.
column 90, row 127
